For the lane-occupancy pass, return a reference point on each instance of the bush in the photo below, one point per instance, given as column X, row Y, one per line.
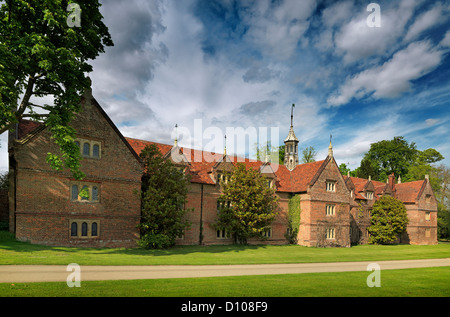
column 156, row 241
column 389, row 219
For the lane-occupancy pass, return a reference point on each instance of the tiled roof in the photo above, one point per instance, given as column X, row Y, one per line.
column 409, row 192
column 202, row 165
column 26, row 126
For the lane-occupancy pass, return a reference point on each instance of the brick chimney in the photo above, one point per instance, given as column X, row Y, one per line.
column 392, row 181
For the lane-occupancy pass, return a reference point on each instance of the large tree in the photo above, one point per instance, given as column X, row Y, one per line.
column 390, row 156
column 163, row 199
column 248, row 205
column 45, row 49
column 388, row 220
column 309, row 154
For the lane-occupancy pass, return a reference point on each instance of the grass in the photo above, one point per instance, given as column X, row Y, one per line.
column 427, row 282
column 20, row 253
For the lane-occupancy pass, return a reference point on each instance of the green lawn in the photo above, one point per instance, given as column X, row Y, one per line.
column 20, row 253
column 428, row 282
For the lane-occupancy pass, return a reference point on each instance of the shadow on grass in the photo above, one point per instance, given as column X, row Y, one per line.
column 8, row 242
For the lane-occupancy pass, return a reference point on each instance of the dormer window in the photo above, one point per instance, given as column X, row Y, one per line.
column 369, row 195
column 331, row 186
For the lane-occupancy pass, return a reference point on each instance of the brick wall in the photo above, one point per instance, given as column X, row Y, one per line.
column 44, row 209
column 314, row 220
column 4, row 205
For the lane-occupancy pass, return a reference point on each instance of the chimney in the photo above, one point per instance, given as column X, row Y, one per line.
column 392, row 181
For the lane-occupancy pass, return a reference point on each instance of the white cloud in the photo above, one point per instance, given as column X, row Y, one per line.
column 278, row 30
column 394, row 77
column 425, row 21
column 446, row 40
column 356, row 40
column 431, row 122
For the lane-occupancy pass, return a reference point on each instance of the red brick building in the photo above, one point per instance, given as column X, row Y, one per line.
column 45, row 207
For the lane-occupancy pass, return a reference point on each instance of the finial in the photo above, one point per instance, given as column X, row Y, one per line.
column 292, row 115
column 176, row 135
column 330, row 148
column 225, row 147
column 399, row 179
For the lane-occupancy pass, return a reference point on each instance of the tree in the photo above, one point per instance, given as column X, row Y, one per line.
column 42, row 55
column 366, row 169
column 248, row 205
column 309, row 155
column 163, row 195
column 387, row 157
column 275, row 154
column 388, row 220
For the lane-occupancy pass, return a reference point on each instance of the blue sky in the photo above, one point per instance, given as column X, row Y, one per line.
column 244, row 63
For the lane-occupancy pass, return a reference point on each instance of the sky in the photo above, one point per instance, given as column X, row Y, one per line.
column 229, row 64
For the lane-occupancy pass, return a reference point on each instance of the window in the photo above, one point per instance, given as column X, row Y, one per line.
column 222, row 234
column 85, row 190
column 330, row 233
column 428, row 198
column 369, row 195
column 94, row 229
column 427, row 232
column 89, row 229
column 84, row 229
column 86, row 149
column 96, row 151
column 74, row 229
column 331, row 186
column 93, row 192
column 89, row 149
column 427, row 216
column 74, row 192
column 330, row 210
column 267, row 233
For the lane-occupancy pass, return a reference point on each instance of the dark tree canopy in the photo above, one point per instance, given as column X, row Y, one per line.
column 248, row 204
column 43, row 53
column 163, row 199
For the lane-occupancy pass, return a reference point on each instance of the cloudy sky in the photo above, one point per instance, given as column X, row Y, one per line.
column 228, row 63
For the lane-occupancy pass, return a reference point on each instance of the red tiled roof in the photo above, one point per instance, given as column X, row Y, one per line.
column 202, row 164
column 26, row 126
column 409, row 192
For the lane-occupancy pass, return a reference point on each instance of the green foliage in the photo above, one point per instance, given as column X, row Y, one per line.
column 249, row 206
column 309, row 155
column 40, row 55
column 164, row 190
column 4, row 182
column 387, row 157
column 294, row 214
column 443, row 222
column 388, row 220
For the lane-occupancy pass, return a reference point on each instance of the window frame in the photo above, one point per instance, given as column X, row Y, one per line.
column 330, row 186
column 79, row 225
column 330, row 210
column 90, row 187
column 82, row 142
column 330, row 234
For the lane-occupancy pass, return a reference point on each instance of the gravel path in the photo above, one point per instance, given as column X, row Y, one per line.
column 57, row 273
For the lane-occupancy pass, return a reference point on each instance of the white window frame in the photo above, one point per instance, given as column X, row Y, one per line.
column 330, row 210
column 330, row 234
column 331, row 186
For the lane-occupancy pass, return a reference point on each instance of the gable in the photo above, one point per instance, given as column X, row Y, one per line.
column 329, row 173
